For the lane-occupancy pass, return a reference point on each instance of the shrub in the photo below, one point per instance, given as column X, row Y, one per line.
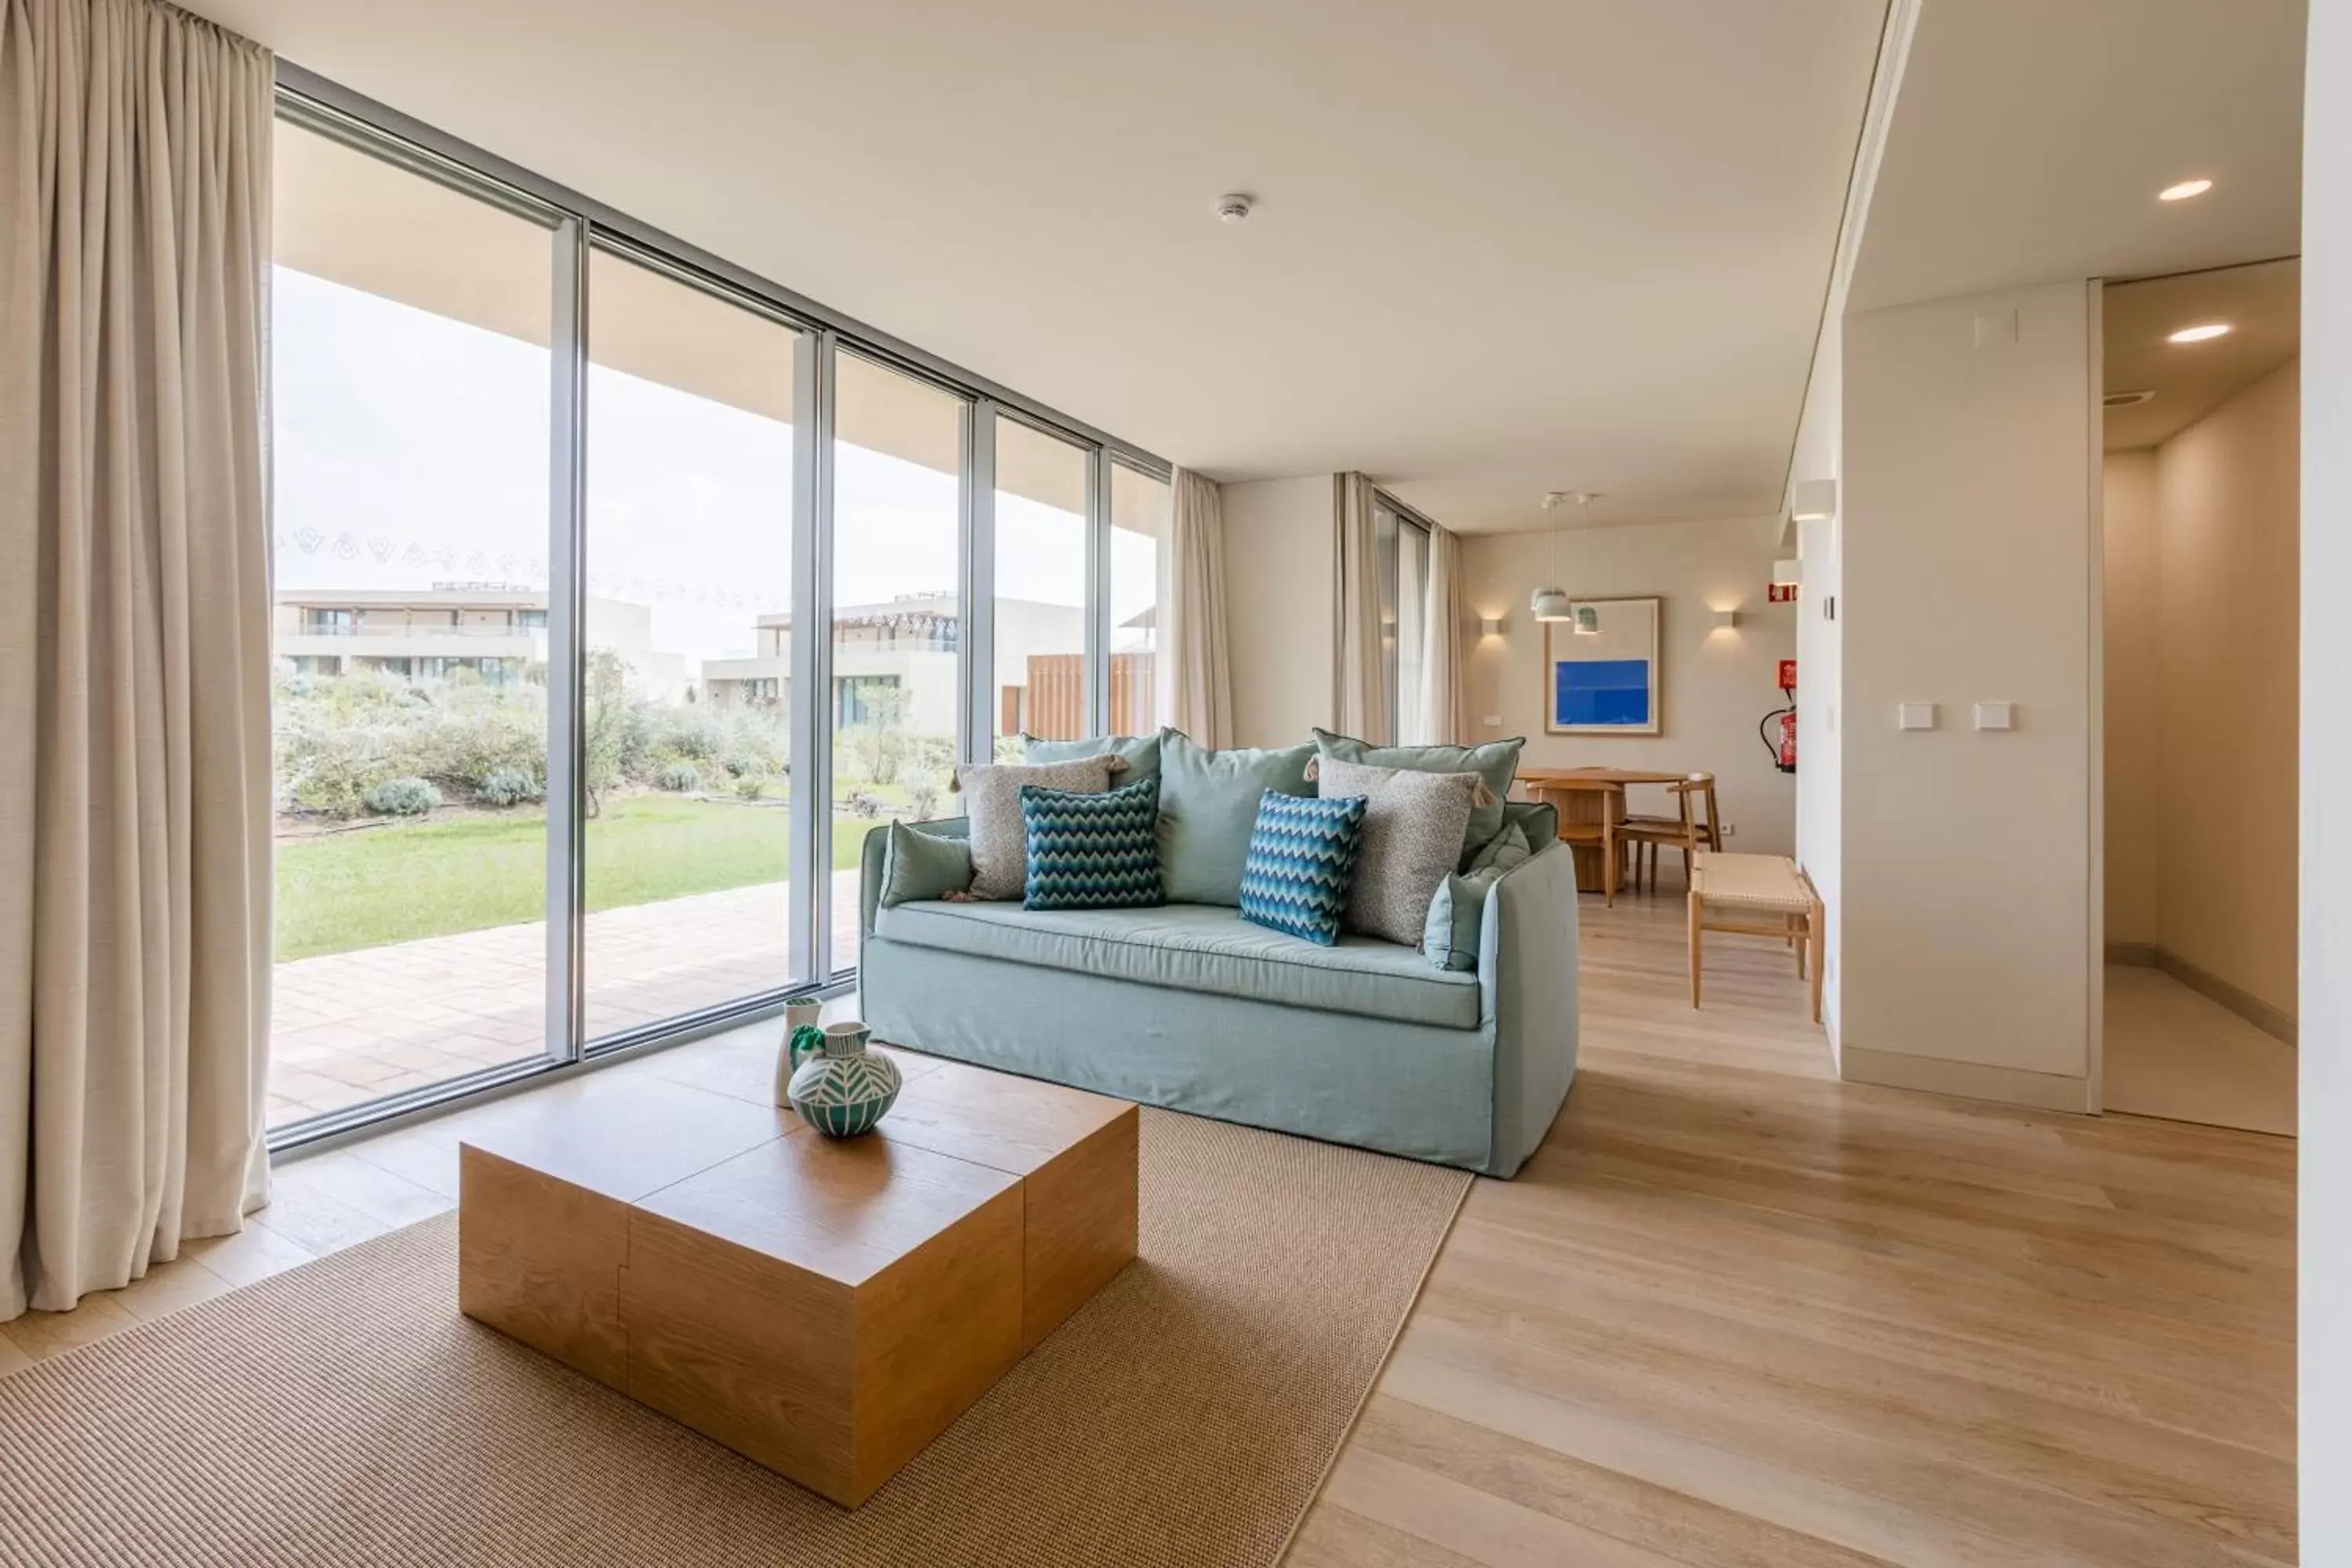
column 509, row 786
column 922, row 787
column 679, row 778
column 743, row 766
column 751, row 787
column 402, row 798
column 865, row 803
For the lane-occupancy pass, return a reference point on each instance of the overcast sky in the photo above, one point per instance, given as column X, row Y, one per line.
column 413, row 450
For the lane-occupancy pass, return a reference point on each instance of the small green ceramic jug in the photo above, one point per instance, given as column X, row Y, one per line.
column 799, row 1045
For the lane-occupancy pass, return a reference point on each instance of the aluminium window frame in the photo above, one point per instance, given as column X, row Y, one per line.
column 578, row 226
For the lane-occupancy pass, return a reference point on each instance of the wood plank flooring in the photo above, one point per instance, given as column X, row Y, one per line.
column 1737, row 1312
column 1734, row 1313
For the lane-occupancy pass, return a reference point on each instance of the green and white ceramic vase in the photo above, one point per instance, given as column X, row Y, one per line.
column 843, row 1091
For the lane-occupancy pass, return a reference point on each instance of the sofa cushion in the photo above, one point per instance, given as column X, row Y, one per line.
column 1199, row 948
column 1208, row 806
column 1141, row 752
column 1092, row 851
column 1496, row 762
column 992, row 800
column 1413, row 836
column 916, row 865
column 1302, row 859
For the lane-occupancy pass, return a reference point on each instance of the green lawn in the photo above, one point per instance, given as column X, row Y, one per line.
column 339, row 891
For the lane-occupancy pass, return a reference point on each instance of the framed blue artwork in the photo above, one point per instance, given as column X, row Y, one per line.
column 1604, row 681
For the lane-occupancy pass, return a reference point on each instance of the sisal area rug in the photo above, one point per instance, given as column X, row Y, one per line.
column 345, row 1413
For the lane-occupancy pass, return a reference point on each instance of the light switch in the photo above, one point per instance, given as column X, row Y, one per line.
column 1915, row 715
column 1996, row 716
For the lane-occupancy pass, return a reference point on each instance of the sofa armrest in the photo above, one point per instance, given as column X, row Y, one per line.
column 1527, row 980
column 869, row 863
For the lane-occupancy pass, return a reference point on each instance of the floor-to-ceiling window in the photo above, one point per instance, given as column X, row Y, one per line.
column 554, row 775
column 897, row 620
column 685, row 700
column 410, row 437
column 1040, row 683
column 1134, row 596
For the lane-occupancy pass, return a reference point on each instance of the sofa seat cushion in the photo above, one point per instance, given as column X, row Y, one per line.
column 1199, row 947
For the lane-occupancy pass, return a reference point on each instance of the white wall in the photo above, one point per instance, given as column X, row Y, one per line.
column 2324, row 1195
column 1821, row 664
column 2201, row 616
column 1716, row 682
column 2230, row 505
column 2135, row 700
column 1969, row 541
column 1279, row 572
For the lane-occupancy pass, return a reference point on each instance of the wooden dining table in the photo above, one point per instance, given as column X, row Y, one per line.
column 1584, row 797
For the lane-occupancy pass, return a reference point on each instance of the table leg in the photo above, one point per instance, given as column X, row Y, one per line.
column 1697, row 926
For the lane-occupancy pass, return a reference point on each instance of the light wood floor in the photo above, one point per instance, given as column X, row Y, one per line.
column 1737, row 1312
column 2174, row 1053
column 1734, row 1313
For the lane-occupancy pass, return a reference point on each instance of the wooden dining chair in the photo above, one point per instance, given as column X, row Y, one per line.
column 1696, row 825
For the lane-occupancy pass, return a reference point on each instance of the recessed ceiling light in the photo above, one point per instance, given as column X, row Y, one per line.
column 2129, row 399
column 2203, row 331
column 2184, row 190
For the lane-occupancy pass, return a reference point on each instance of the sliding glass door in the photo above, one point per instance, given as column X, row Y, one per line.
column 554, row 775
column 897, row 658
column 409, row 341
column 686, row 621
column 1039, row 682
column 1136, row 589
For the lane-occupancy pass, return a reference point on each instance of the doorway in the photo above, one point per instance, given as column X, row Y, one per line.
column 2202, row 518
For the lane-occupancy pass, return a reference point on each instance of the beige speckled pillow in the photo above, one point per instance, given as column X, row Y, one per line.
column 991, row 799
column 1413, row 838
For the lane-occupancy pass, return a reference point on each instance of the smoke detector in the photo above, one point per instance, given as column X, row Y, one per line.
column 1235, row 207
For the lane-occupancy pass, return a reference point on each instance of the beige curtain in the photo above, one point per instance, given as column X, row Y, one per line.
column 1445, row 629
column 1197, row 695
column 1361, row 701
column 134, row 623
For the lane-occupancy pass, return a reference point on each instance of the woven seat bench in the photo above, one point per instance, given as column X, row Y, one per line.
column 1774, row 894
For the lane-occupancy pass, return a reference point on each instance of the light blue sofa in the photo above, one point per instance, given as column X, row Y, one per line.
column 1190, row 1007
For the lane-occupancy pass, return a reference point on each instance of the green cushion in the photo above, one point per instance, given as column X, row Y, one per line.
column 1196, row 948
column 1503, row 851
column 923, row 866
column 1208, row 806
column 1451, row 939
column 1141, row 752
column 1496, row 763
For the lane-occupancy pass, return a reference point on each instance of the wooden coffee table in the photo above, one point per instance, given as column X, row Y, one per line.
column 824, row 1307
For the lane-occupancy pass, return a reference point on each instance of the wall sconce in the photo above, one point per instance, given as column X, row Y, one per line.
column 1813, row 501
column 1490, row 626
column 1727, row 619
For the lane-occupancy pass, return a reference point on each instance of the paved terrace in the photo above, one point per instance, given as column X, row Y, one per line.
column 355, row 1027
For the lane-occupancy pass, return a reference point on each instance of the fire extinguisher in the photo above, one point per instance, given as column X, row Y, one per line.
column 1783, row 750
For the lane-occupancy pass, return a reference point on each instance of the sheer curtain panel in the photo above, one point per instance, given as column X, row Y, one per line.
column 1200, row 696
column 134, row 634
column 1442, row 626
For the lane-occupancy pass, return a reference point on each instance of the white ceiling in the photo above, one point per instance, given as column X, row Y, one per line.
column 2029, row 138
column 2261, row 304
column 1526, row 246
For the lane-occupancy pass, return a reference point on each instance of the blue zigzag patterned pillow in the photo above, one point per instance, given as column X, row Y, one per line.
column 1302, row 855
column 1092, row 851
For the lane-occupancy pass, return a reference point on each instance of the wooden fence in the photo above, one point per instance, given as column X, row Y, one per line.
column 1052, row 705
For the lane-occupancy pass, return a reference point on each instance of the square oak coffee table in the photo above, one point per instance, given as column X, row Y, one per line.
column 824, row 1307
